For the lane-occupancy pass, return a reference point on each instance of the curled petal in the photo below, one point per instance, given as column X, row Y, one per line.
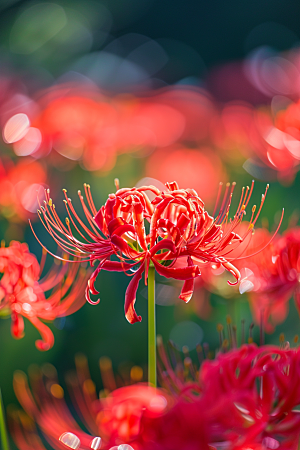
column 116, row 266
column 47, row 336
column 17, row 325
column 234, row 271
column 188, row 286
column 118, row 226
column 99, row 219
column 165, row 244
column 124, row 247
column 178, row 273
column 91, row 281
column 113, row 224
column 130, row 297
column 88, row 297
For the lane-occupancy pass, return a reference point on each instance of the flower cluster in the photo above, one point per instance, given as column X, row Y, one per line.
column 173, row 233
column 22, row 291
column 246, row 398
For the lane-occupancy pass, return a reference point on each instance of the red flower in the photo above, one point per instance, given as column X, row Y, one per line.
column 179, row 227
column 22, row 292
column 115, row 417
column 19, row 184
column 244, row 399
column 275, row 279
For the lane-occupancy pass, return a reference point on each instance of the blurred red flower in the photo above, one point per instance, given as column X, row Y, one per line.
column 243, row 399
column 19, row 185
column 179, row 162
column 275, row 279
column 22, row 292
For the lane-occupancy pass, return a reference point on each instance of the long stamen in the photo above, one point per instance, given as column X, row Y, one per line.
column 87, row 190
column 218, row 198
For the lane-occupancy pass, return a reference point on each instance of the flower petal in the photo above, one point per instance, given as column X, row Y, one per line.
column 130, row 297
column 178, row 273
column 17, row 325
column 165, row 244
column 47, row 336
column 188, row 286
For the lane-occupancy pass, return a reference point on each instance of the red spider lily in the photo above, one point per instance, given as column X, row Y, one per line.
column 246, row 398
column 115, row 417
column 179, row 227
column 275, row 279
column 22, row 292
column 250, row 395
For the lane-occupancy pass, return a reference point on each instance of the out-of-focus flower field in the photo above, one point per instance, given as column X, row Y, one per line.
column 97, row 96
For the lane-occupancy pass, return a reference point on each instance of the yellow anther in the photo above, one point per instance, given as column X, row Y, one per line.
column 234, row 183
column 253, row 208
column 228, row 320
column 187, row 362
column 105, row 363
column 227, row 184
column 136, row 373
column 117, row 183
column 79, row 192
column 67, row 221
column 219, row 327
column 243, row 208
column 225, row 343
column 50, row 203
column 64, row 190
column 281, row 338
column 80, row 360
column 296, row 338
column 57, row 391
column 250, row 340
column 185, row 349
column 89, row 387
column 48, row 191
column 2, row 243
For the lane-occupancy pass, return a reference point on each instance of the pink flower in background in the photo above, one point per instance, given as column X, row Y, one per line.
column 23, row 292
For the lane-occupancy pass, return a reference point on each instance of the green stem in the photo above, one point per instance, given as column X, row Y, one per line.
column 151, row 329
column 3, row 432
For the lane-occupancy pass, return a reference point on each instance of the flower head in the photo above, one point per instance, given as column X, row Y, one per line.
column 275, row 279
column 112, row 419
column 173, row 233
column 22, row 291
